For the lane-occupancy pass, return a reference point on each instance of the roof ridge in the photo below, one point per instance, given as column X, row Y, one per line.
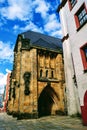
column 41, row 34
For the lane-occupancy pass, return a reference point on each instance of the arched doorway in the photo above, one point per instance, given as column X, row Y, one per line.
column 47, row 99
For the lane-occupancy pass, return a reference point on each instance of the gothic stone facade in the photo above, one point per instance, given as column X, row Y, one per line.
column 37, row 80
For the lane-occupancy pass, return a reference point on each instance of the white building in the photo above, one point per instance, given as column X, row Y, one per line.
column 73, row 16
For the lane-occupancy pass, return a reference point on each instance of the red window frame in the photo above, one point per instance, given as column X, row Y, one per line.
column 83, row 56
column 76, row 15
column 70, row 4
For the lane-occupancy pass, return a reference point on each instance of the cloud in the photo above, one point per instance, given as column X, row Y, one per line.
column 57, row 33
column 53, row 26
column 17, row 9
column 52, row 23
column 6, row 52
column 16, row 27
column 2, row 1
column 50, row 26
column 3, row 78
column 28, row 10
column 42, row 7
column 29, row 26
column 24, row 9
column 8, row 71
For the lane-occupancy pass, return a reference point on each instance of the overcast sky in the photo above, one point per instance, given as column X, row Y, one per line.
column 17, row 16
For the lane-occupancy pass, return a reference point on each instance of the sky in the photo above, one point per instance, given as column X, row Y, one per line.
column 17, row 16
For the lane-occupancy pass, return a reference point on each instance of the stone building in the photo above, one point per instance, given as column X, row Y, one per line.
column 6, row 92
column 73, row 15
column 37, row 81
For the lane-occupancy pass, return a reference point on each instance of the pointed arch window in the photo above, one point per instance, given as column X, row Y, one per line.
column 52, row 74
column 46, row 73
column 41, row 72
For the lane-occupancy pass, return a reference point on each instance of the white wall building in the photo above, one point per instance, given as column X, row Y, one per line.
column 73, row 16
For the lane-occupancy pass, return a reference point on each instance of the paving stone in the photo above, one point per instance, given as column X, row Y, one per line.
column 44, row 123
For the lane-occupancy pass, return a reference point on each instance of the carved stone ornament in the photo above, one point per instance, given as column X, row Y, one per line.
column 16, row 84
column 27, row 76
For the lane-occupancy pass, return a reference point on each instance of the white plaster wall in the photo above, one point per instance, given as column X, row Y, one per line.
column 73, row 44
column 77, row 39
column 71, row 90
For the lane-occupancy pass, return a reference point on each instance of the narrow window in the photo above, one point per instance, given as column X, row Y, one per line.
column 46, row 73
column 81, row 17
column 52, row 75
column 41, row 73
column 83, row 51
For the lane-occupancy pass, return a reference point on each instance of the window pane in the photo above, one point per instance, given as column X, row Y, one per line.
column 82, row 16
column 85, row 51
column 81, row 22
column 73, row 2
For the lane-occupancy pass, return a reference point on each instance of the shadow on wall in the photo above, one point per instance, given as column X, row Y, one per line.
column 46, row 101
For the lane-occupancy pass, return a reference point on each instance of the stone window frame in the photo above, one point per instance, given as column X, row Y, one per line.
column 83, row 51
column 72, row 3
column 80, row 16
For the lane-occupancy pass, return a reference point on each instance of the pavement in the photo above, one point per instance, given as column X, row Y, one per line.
column 7, row 122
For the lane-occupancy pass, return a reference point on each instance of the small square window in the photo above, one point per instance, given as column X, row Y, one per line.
column 83, row 51
column 81, row 17
column 72, row 3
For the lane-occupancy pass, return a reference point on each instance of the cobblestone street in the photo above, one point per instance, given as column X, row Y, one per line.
column 45, row 123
